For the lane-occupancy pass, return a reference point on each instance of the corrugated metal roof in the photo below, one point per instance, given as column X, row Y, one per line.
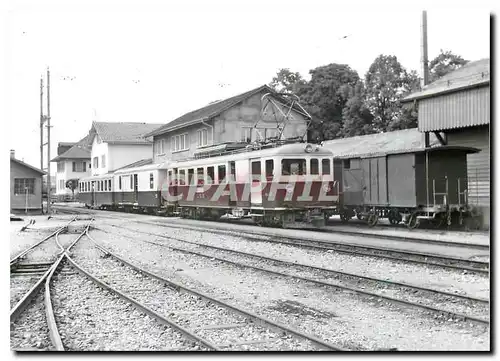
column 472, row 74
column 214, row 109
column 124, row 132
column 364, row 146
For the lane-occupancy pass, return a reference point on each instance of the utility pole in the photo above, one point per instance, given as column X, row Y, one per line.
column 41, row 123
column 425, row 60
column 48, row 141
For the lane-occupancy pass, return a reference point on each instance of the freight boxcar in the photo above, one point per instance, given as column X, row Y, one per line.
column 407, row 186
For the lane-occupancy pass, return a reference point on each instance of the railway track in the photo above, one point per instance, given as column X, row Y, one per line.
column 395, row 292
column 429, row 259
column 216, row 324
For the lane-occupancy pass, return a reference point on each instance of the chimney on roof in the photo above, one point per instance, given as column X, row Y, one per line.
column 13, row 154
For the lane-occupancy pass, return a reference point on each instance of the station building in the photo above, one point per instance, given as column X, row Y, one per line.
column 25, row 187
column 243, row 118
column 456, row 109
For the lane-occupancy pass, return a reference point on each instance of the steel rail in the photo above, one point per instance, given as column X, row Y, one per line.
column 406, row 285
column 330, row 244
column 257, row 319
column 324, row 283
column 141, row 307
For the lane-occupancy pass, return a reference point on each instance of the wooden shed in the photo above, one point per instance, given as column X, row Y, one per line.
column 25, row 187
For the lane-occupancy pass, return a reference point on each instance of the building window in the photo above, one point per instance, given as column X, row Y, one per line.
column 96, row 162
column 84, row 166
column 90, row 166
column 246, row 134
column 179, row 143
column 160, row 146
column 23, row 184
column 202, row 137
column 259, row 134
column 60, row 166
column 151, row 180
column 79, row 166
column 103, row 161
column 271, row 133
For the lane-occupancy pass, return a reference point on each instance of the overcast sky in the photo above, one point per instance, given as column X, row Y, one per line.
column 151, row 63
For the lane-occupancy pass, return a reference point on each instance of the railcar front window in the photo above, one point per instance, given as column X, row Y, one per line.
column 200, row 176
column 325, row 165
column 293, row 167
column 314, row 166
column 269, row 168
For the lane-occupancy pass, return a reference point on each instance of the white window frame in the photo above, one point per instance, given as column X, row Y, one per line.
column 160, row 147
column 176, row 143
column 246, row 133
column 200, row 133
column 103, row 161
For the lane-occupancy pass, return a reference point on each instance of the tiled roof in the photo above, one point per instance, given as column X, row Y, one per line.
column 27, row 165
column 124, row 133
column 213, row 109
column 80, row 150
column 399, row 141
column 476, row 73
column 139, row 163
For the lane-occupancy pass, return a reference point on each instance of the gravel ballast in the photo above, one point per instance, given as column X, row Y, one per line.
column 92, row 319
column 352, row 323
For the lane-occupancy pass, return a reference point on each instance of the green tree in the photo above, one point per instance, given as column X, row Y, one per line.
column 357, row 118
column 386, row 82
column 324, row 97
column 72, row 184
column 287, row 81
column 443, row 64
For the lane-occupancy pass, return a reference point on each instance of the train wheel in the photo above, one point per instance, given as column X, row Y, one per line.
column 344, row 217
column 413, row 221
column 372, row 219
column 394, row 217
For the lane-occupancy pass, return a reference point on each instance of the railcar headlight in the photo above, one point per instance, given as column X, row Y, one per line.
column 308, row 148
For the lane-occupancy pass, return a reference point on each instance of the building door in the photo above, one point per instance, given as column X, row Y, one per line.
column 136, row 190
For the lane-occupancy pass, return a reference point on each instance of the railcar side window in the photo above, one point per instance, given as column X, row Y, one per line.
column 222, row 173
column 109, row 184
column 131, row 182
column 199, row 176
column 325, row 164
column 210, row 175
column 98, row 186
column 151, row 180
column 190, row 176
column 120, row 182
column 106, row 185
column 293, row 166
column 269, row 168
column 314, row 166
